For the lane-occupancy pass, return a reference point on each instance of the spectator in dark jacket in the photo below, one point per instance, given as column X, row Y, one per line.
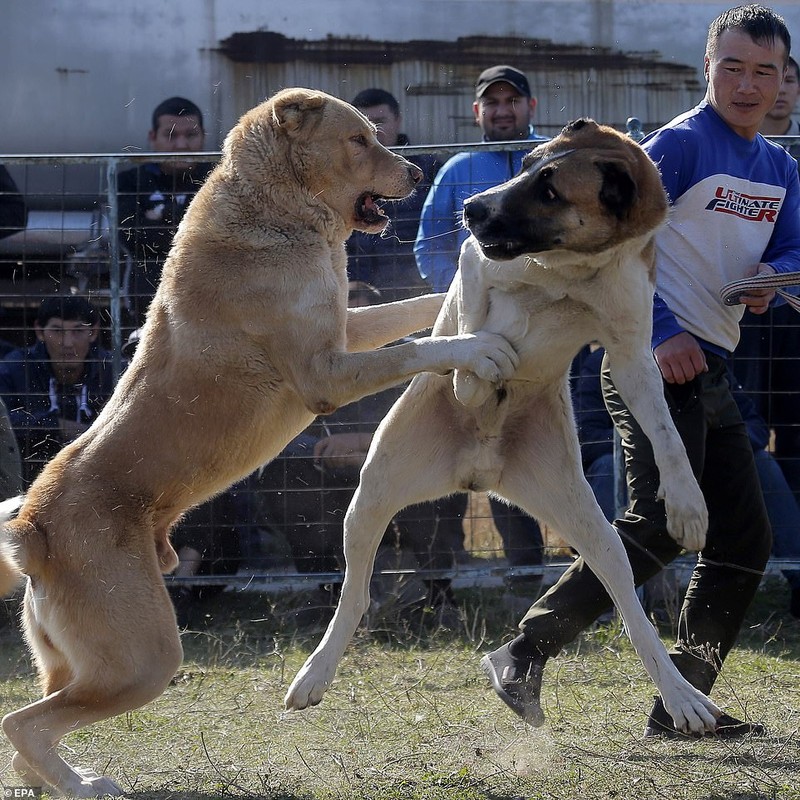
column 387, row 261
column 154, row 197
column 55, row 389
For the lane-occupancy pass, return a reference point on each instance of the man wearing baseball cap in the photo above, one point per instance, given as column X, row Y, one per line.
column 503, row 107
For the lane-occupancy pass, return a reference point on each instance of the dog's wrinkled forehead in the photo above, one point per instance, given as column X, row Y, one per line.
column 536, row 161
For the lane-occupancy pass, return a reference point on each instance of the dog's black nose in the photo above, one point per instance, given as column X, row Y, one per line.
column 475, row 211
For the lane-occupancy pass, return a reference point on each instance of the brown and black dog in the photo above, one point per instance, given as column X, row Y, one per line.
column 559, row 256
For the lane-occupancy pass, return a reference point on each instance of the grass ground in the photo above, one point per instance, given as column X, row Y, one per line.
column 410, row 715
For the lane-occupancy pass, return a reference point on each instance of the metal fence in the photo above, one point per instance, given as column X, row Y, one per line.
column 282, row 526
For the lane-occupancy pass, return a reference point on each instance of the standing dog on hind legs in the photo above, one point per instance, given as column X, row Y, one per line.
column 248, row 338
column 559, row 256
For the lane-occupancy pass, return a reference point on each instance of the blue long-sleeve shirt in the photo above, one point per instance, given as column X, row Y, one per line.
column 734, row 204
column 441, row 233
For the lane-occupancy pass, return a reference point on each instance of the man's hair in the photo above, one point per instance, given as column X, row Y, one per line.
column 376, row 97
column 760, row 23
column 177, row 107
column 790, row 62
column 67, row 307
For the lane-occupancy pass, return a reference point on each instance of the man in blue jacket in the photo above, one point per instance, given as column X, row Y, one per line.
column 54, row 390
column 503, row 109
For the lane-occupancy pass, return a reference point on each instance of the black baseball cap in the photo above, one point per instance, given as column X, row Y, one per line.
column 502, row 72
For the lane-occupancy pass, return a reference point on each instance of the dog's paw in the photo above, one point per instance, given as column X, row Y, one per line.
column 687, row 515
column 87, row 783
column 309, row 686
column 469, row 389
column 691, row 710
column 491, row 356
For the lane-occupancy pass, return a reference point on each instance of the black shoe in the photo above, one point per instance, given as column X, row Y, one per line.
column 660, row 723
column 517, row 681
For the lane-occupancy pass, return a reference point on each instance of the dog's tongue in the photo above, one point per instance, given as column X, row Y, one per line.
column 370, row 204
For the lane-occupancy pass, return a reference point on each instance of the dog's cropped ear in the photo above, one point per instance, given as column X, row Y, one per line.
column 293, row 109
column 618, row 192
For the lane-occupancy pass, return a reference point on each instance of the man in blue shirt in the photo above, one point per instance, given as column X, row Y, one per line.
column 503, row 109
column 735, row 212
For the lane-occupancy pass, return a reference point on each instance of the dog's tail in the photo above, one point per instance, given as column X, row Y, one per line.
column 10, row 571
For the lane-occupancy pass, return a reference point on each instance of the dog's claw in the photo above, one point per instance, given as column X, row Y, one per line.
column 693, row 712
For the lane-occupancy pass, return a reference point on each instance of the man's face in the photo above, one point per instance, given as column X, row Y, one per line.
column 67, row 340
column 744, row 79
column 787, row 97
column 503, row 113
column 387, row 123
column 177, row 134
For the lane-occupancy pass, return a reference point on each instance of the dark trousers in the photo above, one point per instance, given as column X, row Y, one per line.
column 730, row 566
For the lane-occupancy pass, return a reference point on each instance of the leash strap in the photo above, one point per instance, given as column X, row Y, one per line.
column 731, row 292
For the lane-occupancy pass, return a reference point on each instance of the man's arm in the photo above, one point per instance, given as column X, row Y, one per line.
column 783, row 250
column 677, row 352
column 437, row 245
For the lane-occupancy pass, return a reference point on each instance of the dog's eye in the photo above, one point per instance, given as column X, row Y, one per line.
column 548, row 194
column 360, row 140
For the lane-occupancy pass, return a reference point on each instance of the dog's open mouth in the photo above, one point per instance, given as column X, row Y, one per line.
column 503, row 250
column 368, row 212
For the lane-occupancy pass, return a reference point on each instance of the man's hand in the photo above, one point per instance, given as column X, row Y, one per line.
column 680, row 358
column 758, row 300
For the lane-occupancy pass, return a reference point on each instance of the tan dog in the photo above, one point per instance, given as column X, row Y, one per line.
column 248, row 338
column 559, row 256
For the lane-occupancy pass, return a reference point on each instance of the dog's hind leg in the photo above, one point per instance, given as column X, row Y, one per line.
column 564, row 500
column 391, row 479
column 91, row 668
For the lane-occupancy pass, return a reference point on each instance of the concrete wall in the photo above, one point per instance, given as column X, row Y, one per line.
column 84, row 75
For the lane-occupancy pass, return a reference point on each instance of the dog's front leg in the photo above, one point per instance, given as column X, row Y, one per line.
column 638, row 380
column 472, row 304
column 370, row 327
column 364, row 525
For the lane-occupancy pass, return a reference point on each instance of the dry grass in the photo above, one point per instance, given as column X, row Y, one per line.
column 411, row 716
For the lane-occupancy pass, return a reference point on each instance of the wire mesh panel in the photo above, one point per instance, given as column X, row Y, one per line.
column 93, row 231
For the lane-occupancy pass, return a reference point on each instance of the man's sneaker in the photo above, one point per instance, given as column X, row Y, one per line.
column 660, row 723
column 517, row 681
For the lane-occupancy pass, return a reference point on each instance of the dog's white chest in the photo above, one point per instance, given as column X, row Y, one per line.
column 545, row 326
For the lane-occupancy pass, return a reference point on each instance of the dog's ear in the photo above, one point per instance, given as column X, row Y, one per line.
column 293, row 109
column 618, row 192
